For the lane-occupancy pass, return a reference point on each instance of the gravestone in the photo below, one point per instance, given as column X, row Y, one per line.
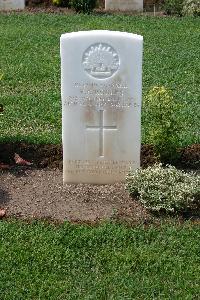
column 124, row 5
column 101, row 79
column 12, row 4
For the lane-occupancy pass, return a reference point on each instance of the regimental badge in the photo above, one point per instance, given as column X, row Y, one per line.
column 100, row 61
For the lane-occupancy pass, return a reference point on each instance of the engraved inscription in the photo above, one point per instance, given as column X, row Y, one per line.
column 102, row 96
column 101, row 102
column 107, row 167
column 100, row 60
column 101, row 127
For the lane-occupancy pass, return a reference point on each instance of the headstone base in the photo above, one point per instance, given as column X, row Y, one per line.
column 12, row 4
column 124, row 5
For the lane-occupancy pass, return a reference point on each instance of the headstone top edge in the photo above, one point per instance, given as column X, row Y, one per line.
column 96, row 33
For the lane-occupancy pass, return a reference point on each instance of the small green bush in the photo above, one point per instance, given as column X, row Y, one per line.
column 167, row 189
column 191, row 8
column 173, row 7
column 163, row 126
column 83, row 6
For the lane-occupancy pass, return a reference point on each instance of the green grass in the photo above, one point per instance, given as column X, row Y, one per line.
column 39, row 261
column 30, row 66
column 110, row 261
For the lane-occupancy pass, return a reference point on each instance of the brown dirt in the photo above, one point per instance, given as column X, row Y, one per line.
column 37, row 194
column 37, row 191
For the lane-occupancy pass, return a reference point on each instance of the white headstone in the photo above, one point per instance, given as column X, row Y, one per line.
column 12, row 4
column 101, row 79
column 124, row 5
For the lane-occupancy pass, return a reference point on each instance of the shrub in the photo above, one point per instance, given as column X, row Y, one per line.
column 163, row 126
column 62, row 3
column 191, row 8
column 167, row 189
column 38, row 2
column 84, row 6
column 173, row 7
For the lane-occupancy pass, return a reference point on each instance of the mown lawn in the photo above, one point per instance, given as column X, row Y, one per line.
column 30, row 69
column 40, row 261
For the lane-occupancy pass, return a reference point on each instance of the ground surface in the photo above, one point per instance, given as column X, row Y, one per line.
column 40, row 194
column 37, row 191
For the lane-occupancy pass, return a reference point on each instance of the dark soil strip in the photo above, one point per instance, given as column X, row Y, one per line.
column 50, row 156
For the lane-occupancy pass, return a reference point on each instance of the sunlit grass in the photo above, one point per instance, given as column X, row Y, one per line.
column 110, row 261
column 30, row 69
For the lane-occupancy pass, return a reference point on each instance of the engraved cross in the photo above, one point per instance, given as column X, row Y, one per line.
column 101, row 127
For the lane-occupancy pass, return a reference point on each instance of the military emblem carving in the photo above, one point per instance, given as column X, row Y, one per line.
column 100, row 60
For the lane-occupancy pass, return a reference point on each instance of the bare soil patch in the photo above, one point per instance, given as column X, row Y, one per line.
column 36, row 191
column 37, row 194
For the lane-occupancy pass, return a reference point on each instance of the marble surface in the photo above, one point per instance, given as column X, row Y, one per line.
column 124, row 5
column 12, row 4
column 101, row 87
